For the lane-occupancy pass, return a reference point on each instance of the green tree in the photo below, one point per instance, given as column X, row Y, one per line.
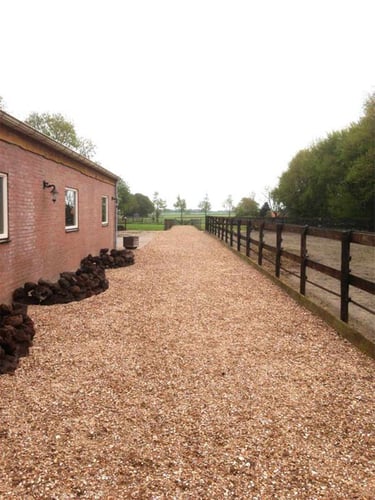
column 275, row 207
column 2, row 103
column 335, row 177
column 124, row 197
column 181, row 206
column 228, row 204
column 247, row 207
column 143, row 205
column 61, row 130
column 292, row 190
column 205, row 205
column 131, row 206
column 357, row 188
column 265, row 210
column 159, row 205
column 86, row 148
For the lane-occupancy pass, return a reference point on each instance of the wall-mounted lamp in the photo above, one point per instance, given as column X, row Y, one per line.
column 47, row 185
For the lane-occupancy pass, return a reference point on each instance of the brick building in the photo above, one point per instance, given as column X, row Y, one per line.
column 56, row 207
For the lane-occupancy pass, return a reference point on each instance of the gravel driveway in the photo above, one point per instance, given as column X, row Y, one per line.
column 192, row 377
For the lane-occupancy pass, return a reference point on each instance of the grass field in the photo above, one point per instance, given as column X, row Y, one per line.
column 140, row 226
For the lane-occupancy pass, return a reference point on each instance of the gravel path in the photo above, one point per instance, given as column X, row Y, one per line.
column 192, row 377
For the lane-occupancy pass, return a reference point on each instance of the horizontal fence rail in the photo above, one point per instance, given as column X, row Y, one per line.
column 198, row 222
column 247, row 235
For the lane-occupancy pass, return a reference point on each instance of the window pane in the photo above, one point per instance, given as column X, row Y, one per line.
column 2, row 201
column 104, row 209
column 70, row 208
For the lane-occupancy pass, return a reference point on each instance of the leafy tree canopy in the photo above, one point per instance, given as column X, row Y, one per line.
column 132, row 204
column 274, row 206
column 335, row 177
column 143, row 205
column 265, row 210
column 247, row 207
column 61, row 130
column 123, row 197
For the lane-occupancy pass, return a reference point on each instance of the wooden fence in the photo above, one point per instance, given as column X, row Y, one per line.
column 247, row 236
column 198, row 222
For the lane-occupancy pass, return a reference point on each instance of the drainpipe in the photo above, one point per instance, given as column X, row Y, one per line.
column 116, row 215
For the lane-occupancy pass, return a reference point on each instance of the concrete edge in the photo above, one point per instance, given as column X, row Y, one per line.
column 343, row 329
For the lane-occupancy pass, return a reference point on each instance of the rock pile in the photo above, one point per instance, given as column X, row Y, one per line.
column 88, row 280
column 113, row 259
column 16, row 335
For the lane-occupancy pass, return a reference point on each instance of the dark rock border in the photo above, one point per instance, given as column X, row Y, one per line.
column 87, row 281
column 16, row 335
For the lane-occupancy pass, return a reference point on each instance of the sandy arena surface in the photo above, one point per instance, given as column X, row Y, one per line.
column 191, row 377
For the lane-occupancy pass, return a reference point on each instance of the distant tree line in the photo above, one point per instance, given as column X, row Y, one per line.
column 335, row 177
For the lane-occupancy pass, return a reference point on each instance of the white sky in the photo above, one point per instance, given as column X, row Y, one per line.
column 188, row 97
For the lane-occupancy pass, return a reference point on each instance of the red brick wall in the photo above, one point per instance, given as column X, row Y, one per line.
column 38, row 245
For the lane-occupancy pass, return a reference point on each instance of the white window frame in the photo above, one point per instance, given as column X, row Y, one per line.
column 74, row 226
column 4, row 208
column 105, row 221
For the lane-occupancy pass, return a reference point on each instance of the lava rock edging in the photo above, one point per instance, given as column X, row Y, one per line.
column 16, row 335
column 88, row 280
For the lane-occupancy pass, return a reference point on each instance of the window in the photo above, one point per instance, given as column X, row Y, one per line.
column 104, row 210
column 71, row 209
column 3, row 206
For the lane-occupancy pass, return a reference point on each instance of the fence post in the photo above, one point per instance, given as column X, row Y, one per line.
column 231, row 232
column 345, row 274
column 226, row 229
column 238, row 235
column 248, row 236
column 303, row 255
column 279, row 240
column 260, row 248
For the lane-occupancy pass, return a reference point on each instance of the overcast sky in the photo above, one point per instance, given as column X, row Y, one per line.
column 195, row 96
